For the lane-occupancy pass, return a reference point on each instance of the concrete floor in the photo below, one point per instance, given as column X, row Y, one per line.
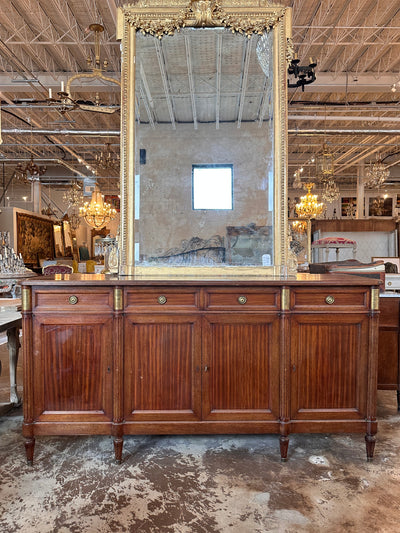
column 201, row 484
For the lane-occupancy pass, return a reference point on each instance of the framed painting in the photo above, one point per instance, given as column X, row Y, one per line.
column 35, row 238
column 380, row 207
column 349, row 206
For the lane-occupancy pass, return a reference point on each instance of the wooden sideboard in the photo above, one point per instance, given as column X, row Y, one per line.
column 389, row 354
column 245, row 355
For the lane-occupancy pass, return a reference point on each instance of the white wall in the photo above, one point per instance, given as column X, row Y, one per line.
column 166, row 214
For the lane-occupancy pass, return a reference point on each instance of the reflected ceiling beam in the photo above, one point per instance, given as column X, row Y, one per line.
column 112, row 6
column 245, row 74
column 146, row 106
column 218, row 80
column 191, row 80
column 161, row 64
column 266, row 102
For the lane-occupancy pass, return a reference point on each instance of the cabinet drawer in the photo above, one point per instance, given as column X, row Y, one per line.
column 243, row 299
column 162, row 299
column 329, row 299
column 98, row 301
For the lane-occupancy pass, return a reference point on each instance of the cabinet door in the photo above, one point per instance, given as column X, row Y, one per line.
column 162, row 379
column 241, row 367
column 388, row 355
column 329, row 367
column 72, row 368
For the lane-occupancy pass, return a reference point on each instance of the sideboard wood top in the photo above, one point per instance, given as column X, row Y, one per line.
column 232, row 280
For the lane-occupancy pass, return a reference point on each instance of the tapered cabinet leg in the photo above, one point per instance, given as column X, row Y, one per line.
column 118, row 442
column 370, row 444
column 284, row 445
column 398, row 400
column 29, row 449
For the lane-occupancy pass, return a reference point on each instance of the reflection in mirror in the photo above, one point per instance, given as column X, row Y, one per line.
column 58, row 241
column 67, row 239
column 204, row 97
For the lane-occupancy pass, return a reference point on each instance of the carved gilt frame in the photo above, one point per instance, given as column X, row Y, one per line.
column 159, row 18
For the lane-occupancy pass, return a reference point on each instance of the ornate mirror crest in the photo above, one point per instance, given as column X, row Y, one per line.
column 204, row 13
column 159, row 18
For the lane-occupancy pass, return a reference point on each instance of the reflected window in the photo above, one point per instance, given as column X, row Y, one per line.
column 212, row 186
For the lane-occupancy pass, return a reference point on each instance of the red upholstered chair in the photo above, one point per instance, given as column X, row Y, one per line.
column 57, row 269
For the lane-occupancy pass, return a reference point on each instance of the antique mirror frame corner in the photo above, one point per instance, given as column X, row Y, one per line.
column 159, row 18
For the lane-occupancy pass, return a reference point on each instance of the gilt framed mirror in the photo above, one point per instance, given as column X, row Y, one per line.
column 203, row 136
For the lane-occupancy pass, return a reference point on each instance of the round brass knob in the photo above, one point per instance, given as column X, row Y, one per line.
column 242, row 300
column 162, row 299
column 73, row 300
column 329, row 300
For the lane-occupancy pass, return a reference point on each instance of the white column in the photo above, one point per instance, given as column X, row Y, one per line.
column 36, row 193
column 360, row 191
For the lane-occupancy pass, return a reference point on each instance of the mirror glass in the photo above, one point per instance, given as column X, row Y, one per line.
column 58, row 241
column 204, row 149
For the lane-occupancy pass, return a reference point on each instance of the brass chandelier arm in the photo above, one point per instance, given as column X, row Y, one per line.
column 97, row 73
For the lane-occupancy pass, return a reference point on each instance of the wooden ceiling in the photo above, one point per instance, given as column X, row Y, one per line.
column 353, row 105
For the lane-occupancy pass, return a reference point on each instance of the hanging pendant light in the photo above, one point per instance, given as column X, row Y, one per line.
column 107, row 160
column 331, row 191
column 324, row 164
column 73, row 196
column 97, row 213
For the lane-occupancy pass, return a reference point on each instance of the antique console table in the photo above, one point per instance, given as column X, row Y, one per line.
column 190, row 355
column 11, row 322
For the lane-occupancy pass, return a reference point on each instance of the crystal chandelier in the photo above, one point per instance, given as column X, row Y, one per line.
column 107, row 160
column 73, row 196
column 324, row 164
column 376, row 174
column 97, row 213
column 30, row 173
column 309, row 207
column 74, row 221
column 331, row 191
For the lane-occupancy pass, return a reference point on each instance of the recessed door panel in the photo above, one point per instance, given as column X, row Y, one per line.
column 73, row 367
column 162, row 368
column 241, row 367
column 329, row 367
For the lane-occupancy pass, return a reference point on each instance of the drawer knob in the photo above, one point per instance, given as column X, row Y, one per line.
column 330, row 300
column 73, row 300
column 162, row 299
column 242, row 300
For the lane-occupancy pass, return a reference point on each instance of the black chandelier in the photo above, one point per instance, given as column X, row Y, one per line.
column 304, row 75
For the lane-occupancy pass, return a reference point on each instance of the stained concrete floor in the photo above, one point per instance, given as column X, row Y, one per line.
column 201, row 484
